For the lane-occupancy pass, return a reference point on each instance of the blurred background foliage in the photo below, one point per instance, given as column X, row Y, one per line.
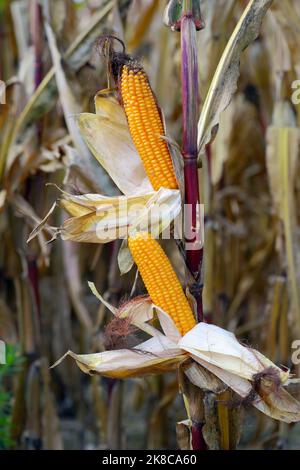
column 249, row 184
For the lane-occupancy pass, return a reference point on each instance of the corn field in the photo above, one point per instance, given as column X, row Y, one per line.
column 149, row 224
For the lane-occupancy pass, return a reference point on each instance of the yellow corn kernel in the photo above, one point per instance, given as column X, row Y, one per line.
column 146, row 128
column 161, row 280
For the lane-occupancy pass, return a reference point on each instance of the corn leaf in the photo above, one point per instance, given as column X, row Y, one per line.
column 224, row 83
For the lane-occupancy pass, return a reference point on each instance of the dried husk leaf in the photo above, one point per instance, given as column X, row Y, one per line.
column 157, row 355
column 280, row 406
column 100, row 219
column 219, row 351
column 107, row 135
column 125, row 259
column 202, row 378
column 140, row 311
column 221, row 348
column 167, row 324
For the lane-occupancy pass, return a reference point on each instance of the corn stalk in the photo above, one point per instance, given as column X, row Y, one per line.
column 190, row 109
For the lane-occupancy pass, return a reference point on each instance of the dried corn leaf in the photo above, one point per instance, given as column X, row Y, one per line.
column 73, row 278
column 44, row 96
column 139, row 17
column 68, row 101
column 224, row 82
column 282, row 161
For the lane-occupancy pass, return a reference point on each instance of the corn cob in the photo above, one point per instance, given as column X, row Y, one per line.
column 146, row 127
column 161, row 280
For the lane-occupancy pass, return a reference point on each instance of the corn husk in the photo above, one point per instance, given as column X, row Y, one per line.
column 100, row 219
column 215, row 349
column 107, row 135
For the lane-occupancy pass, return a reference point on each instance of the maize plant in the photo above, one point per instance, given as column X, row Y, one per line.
column 171, row 205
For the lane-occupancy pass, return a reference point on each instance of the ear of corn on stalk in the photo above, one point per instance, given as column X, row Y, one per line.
column 161, row 280
column 146, row 127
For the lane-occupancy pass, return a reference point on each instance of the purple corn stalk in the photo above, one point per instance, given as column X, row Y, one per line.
column 190, row 110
